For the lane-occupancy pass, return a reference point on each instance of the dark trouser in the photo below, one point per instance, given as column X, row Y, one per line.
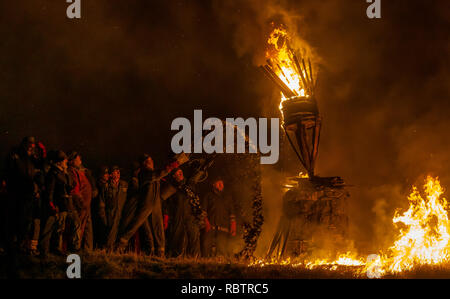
column 2, row 225
column 192, row 248
column 111, row 234
column 149, row 207
column 23, row 223
column 87, row 235
column 147, row 238
column 184, row 239
column 57, row 224
column 157, row 225
column 153, row 237
column 215, row 243
column 128, row 214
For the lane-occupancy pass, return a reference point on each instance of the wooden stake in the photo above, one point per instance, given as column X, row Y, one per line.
column 297, row 64
column 277, row 81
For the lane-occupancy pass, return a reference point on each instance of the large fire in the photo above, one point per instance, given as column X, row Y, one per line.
column 423, row 239
column 282, row 60
column 424, row 229
column 345, row 259
column 292, row 71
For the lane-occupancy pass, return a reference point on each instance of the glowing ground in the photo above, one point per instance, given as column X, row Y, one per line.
column 114, row 266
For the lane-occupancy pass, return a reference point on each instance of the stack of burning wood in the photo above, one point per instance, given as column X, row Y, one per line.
column 316, row 200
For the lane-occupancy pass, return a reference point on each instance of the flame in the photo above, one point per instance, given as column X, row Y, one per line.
column 346, row 259
column 425, row 234
column 425, row 240
column 281, row 57
column 303, row 175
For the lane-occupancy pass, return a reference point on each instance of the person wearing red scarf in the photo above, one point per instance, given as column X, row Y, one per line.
column 83, row 191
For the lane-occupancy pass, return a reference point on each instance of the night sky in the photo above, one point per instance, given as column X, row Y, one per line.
column 110, row 84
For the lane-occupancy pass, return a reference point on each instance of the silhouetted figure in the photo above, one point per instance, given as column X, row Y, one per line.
column 148, row 204
column 220, row 222
column 183, row 229
column 111, row 202
column 84, row 189
column 23, row 197
column 59, row 207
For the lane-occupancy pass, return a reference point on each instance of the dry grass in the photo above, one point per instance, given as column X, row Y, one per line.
column 103, row 265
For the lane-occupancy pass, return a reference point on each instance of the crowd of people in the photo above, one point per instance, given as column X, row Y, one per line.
column 52, row 204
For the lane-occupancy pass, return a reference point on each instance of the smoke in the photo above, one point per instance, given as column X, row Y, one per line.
column 272, row 194
column 383, row 93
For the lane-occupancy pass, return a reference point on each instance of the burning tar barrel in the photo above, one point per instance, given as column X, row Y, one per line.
column 302, row 124
column 313, row 207
column 297, row 108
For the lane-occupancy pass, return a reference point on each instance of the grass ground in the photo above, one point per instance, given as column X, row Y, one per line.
column 101, row 265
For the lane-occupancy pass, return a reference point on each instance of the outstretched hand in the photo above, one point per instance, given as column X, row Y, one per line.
column 182, row 158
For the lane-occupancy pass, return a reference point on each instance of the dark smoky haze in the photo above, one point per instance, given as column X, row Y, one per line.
column 110, row 84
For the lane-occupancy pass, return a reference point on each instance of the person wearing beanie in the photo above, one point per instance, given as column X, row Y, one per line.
column 111, row 203
column 148, row 204
column 21, row 180
column 59, row 207
column 83, row 190
column 220, row 222
column 183, row 230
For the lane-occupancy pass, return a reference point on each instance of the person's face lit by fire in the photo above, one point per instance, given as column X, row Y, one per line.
column 218, row 185
column 148, row 164
column 31, row 149
column 178, row 175
column 115, row 175
column 105, row 176
column 77, row 161
column 63, row 164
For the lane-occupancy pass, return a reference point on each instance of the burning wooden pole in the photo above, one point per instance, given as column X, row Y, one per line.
column 301, row 119
column 309, row 196
column 277, row 81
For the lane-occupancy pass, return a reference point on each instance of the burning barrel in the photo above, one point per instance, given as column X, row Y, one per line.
column 312, row 206
column 298, row 108
column 293, row 76
column 302, row 124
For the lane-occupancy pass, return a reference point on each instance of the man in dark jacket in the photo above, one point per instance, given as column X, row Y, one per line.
column 97, row 222
column 148, row 203
column 23, row 197
column 111, row 203
column 59, row 207
column 84, row 189
column 221, row 222
column 183, row 229
column 3, row 212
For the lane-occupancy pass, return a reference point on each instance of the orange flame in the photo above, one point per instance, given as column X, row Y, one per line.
column 281, row 57
column 425, row 240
